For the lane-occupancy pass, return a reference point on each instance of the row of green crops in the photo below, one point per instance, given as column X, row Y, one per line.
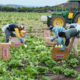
column 34, row 62
column 29, row 63
column 28, row 19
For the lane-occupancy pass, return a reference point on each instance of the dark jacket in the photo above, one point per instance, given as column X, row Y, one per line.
column 12, row 27
column 72, row 32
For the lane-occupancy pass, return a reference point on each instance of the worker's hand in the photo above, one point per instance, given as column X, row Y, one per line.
column 22, row 40
column 50, row 28
column 63, row 48
column 52, row 39
column 25, row 45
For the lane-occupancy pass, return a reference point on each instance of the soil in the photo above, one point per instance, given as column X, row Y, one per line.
column 59, row 76
column 55, row 77
column 78, row 67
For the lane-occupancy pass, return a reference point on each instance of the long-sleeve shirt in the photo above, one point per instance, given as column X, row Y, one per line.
column 75, row 25
column 56, row 30
column 72, row 32
column 12, row 28
column 60, row 40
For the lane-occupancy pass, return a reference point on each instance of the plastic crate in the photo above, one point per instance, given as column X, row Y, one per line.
column 58, row 54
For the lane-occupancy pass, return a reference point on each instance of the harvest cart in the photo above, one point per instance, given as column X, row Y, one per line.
column 69, row 13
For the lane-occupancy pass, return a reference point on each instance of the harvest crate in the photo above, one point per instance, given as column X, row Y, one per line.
column 58, row 54
column 5, row 51
column 15, row 42
column 47, row 37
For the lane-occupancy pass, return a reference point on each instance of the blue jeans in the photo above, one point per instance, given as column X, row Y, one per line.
column 9, row 34
column 61, row 42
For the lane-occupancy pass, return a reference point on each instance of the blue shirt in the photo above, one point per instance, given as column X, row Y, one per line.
column 56, row 30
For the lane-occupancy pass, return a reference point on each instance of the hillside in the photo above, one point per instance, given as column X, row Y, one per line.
column 21, row 8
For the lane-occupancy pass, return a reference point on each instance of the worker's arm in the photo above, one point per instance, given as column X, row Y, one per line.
column 52, row 39
column 17, row 33
column 55, row 31
column 51, row 28
column 67, row 41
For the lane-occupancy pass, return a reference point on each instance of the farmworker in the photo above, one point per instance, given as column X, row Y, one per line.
column 55, row 30
column 76, row 40
column 72, row 32
column 60, row 40
column 13, row 30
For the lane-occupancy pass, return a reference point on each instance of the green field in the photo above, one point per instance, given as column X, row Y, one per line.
column 28, row 19
column 35, row 62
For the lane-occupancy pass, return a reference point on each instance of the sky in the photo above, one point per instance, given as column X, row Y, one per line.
column 33, row 2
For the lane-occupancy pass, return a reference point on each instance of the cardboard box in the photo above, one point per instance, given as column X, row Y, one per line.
column 57, row 54
column 47, row 37
column 15, row 42
column 5, row 51
column 1, row 52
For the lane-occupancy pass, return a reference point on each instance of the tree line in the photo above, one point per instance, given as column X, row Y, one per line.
column 30, row 9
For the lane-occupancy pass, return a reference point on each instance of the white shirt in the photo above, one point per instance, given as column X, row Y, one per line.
column 4, row 28
column 77, row 26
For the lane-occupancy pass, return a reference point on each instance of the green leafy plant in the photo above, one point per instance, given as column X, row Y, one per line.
column 42, row 70
column 70, row 72
column 78, row 78
column 57, row 69
column 50, row 63
column 27, row 63
column 73, row 62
